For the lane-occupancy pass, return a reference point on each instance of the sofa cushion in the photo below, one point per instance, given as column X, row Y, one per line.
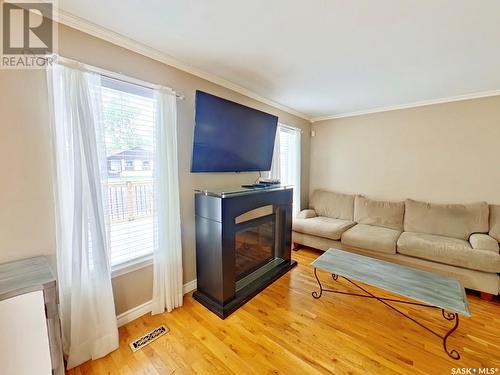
column 447, row 250
column 333, row 205
column 495, row 222
column 383, row 214
column 322, row 226
column 450, row 220
column 371, row 237
column 306, row 214
column 484, row 242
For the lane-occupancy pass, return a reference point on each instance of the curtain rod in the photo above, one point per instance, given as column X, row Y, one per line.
column 114, row 75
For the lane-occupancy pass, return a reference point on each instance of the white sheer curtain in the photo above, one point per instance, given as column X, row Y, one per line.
column 86, row 298
column 167, row 275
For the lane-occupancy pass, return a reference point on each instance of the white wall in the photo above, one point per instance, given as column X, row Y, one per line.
column 26, row 201
column 441, row 153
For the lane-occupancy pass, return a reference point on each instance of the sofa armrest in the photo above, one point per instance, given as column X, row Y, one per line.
column 484, row 242
column 306, row 214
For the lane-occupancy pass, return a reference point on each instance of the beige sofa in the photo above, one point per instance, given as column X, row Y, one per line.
column 458, row 240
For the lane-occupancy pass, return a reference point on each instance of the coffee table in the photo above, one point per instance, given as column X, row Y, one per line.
column 430, row 290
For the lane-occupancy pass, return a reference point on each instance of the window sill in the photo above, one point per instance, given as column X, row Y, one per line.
column 131, row 265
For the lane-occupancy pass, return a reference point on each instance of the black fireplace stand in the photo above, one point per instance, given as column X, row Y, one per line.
column 448, row 315
column 218, row 287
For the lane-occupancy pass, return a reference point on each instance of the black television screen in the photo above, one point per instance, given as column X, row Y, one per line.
column 230, row 137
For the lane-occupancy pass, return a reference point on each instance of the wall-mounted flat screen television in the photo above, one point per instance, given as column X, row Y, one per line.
column 230, row 137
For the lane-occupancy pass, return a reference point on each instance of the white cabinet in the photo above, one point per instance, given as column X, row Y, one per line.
column 30, row 334
column 24, row 340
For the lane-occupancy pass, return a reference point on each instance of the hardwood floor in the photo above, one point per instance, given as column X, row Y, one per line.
column 283, row 330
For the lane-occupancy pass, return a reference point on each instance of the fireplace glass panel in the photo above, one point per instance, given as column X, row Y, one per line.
column 254, row 246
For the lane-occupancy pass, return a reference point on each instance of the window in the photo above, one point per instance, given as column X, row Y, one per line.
column 289, row 159
column 129, row 129
column 129, row 165
column 114, row 167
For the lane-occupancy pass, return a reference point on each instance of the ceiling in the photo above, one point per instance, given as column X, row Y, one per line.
column 321, row 57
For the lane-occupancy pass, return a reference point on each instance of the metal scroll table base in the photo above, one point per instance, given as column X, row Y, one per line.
column 448, row 315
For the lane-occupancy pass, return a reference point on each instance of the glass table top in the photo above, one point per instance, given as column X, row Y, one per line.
column 239, row 190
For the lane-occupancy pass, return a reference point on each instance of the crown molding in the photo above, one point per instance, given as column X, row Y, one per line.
column 423, row 103
column 90, row 28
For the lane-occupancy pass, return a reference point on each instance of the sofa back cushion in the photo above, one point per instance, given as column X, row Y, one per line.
column 450, row 220
column 495, row 222
column 331, row 204
column 383, row 214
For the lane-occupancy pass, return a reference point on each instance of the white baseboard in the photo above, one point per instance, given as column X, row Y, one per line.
column 138, row 311
column 189, row 287
column 133, row 313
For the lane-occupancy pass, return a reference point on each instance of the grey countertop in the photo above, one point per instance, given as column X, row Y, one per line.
column 24, row 276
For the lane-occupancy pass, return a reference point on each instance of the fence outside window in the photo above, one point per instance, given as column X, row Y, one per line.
column 130, row 200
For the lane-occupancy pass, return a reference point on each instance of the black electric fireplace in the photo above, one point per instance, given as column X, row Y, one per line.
column 254, row 245
column 243, row 243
